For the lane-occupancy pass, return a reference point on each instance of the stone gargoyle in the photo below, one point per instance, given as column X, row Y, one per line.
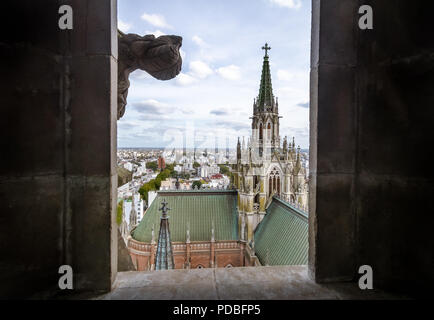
column 160, row 57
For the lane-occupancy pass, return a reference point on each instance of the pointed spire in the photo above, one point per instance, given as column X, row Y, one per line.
column 297, row 163
column 188, row 233
column 164, row 256
column 285, row 144
column 153, row 235
column 265, row 97
column 133, row 214
column 238, row 149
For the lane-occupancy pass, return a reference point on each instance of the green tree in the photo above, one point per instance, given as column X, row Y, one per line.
column 196, row 165
column 152, row 165
column 196, row 183
column 224, row 169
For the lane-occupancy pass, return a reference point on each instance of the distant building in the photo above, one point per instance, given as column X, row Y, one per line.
column 161, row 163
column 123, row 190
column 151, row 197
column 168, row 184
column 128, row 166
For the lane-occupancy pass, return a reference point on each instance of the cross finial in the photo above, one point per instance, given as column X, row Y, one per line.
column 266, row 48
column 164, row 207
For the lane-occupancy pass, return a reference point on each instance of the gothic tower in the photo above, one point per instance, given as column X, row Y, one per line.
column 265, row 120
column 263, row 168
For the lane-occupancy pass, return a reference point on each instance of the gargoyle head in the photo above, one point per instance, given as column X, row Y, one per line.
column 160, row 57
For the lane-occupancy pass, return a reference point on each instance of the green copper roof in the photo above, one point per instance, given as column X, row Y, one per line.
column 282, row 236
column 265, row 97
column 199, row 209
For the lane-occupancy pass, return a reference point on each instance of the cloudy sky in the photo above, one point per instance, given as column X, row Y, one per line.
column 222, row 61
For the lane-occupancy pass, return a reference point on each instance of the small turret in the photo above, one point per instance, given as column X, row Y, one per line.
column 212, row 232
column 298, row 163
column 285, row 145
column 133, row 214
column 238, row 150
column 188, row 233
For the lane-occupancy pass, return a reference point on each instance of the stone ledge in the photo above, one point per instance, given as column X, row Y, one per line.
column 245, row 283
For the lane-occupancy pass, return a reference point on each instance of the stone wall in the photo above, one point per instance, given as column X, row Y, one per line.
column 371, row 116
column 225, row 253
column 58, row 178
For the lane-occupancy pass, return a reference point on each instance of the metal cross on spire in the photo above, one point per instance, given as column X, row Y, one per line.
column 164, row 207
column 266, row 48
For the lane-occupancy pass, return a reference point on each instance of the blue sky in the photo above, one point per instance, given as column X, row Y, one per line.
column 222, row 62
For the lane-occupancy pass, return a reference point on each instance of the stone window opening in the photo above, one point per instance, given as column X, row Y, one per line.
column 274, row 182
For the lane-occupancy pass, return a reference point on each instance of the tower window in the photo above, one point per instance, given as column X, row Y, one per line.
column 274, row 182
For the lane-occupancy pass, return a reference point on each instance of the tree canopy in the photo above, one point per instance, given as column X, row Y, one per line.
column 152, row 165
column 155, row 184
column 196, row 183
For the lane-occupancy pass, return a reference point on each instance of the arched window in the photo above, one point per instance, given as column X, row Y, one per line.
column 260, row 132
column 229, row 266
column 199, row 266
column 274, row 182
column 269, row 130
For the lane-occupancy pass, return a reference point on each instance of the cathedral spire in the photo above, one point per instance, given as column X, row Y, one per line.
column 265, row 98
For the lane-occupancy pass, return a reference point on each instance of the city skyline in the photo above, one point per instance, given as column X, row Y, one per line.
column 213, row 94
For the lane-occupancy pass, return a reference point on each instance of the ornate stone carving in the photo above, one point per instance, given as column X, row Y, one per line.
column 160, row 57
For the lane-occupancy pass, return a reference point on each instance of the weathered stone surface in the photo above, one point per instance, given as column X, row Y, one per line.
column 248, row 283
column 371, row 118
column 59, row 129
column 124, row 259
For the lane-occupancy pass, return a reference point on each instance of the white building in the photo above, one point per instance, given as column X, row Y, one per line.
column 151, row 197
column 123, row 190
column 128, row 166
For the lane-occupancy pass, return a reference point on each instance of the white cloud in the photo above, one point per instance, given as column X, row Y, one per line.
column 150, row 106
column 182, row 53
column 157, row 20
column 292, row 4
column 198, row 40
column 231, row 72
column 200, row 69
column 123, row 26
column 156, row 33
column 283, row 75
column 184, row 79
